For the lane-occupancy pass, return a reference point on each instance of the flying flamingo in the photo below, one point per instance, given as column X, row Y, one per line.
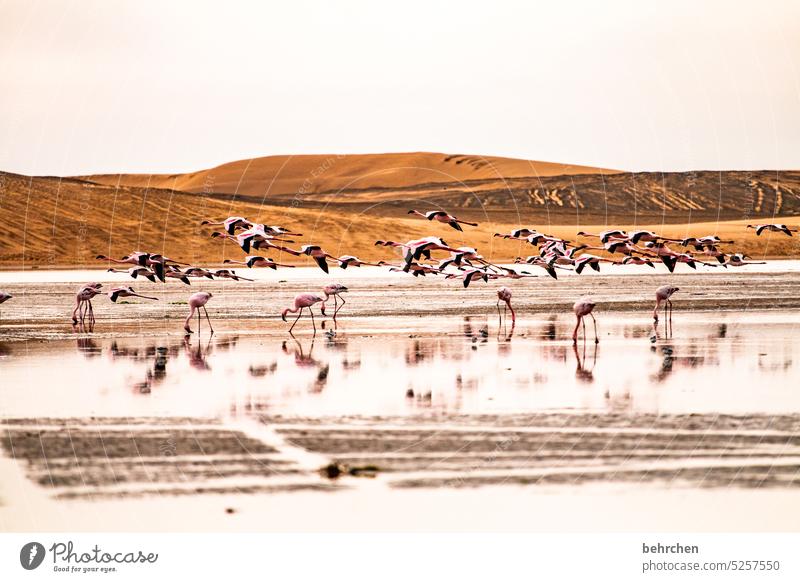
column 442, row 216
column 256, row 261
column 606, row 235
column 582, row 308
column 5, row 297
column 737, row 260
column 504, row 295
column 772, row 228
column 196, row 302
column 231, row 224
column 335, row 290
column 517, row 234
column 663, row 295
column 351, row 261
column 136, row 258
column 117, row 292
column 229, row 274
column 136, row 272
column 316, row 253
column 302, row 301
column 83, row 303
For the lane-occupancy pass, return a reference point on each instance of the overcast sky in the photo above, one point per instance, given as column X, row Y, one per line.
column 139, row 86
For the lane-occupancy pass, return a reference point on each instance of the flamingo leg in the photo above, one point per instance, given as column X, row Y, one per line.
column 312, row 319
column 596, row 339
column 343, row 302
column 499, row 315
column 583, row 319
column 575, row 331
column 208, row 319
column 669, row 302
column 299, row 313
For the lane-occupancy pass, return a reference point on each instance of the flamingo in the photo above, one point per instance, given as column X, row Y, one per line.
column 256, row 261
column 504, row 295
column 635, row 260
column 316, row 253
column 136, row 272
column 700, row 243
column 231, row 224
column 135, row 258
column 663, row 295
column 468, row 275
column 517, row 234
column 738, row 260
column 196, row 302
column 335, row 290
column 198, row 273
column 5, row 297
column 302, row 301
column 117, row 292
column 583, row 307
column 537, row 261
column 606, row 235
column 230, row 274
column 772, row 228
column 636, row 236
column 83, row 303
column 173, row 272
column 351, row 261
column 444, row 217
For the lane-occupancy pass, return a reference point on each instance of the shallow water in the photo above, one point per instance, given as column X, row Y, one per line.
column 407, row 403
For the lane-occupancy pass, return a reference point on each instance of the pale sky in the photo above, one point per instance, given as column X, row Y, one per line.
column 138, row 86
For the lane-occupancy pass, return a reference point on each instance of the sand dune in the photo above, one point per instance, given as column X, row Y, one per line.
column 288, row 175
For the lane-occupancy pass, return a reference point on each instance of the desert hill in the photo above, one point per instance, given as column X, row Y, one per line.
column 272, row 176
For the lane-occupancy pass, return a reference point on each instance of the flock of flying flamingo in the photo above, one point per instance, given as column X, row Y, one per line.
column 640, row 247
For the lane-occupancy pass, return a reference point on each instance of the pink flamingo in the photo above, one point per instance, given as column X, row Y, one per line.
column 229, row 274
column 335, row 290
column 5, row 297
column 504, row 295
column 231, row 224
column 302, row 301
column 737, row 260
column 117, row 292
column 442, row 216
column 772, row 228
column 663, row 295
column 83, row 303
column 316, row 253
column 583, row 307
column 197, row 301
column 351, row 261
column 257, row 261
column 517, row 234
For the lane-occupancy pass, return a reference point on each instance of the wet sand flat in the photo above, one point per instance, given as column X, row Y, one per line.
column 409, row 411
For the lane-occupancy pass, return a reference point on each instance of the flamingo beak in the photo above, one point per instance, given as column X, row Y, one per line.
column 283, row 316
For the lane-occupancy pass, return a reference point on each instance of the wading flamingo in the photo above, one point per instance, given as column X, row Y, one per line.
column 663, row 295
column 197, row 301
column 444, row 217
column 582, row 308
column 83, row 303
column 302, row 301
column 504, row 295
column 335, row 290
